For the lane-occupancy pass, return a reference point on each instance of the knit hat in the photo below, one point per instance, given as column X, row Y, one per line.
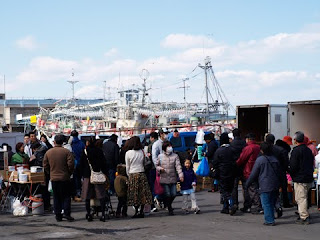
column 287, row 139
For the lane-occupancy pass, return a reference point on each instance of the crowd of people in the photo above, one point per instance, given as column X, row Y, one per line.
column 146, row 177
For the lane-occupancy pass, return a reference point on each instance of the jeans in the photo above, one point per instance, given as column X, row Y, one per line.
column 112, row 176
column 61, row 197
column 194, row 205
column 170, row 190
column 77, row 182
column 268, row 200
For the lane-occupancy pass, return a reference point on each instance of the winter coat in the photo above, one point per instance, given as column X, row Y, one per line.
column 171, row 165
column 59, row 163
column 225, row 167
column 237, row 145
column 284, row 145
column 39, row 154
column 77, row 149
column 224, row 162
column 301, row 164
column 19, row 158
column 111, row 153
column 266, row 170
column 189, row 177
column 248, row 157
column 212, row 147
column 121, row 181
column 96, row 159
column 282, row 155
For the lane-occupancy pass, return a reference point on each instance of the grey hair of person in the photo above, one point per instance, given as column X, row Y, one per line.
column 299, row 137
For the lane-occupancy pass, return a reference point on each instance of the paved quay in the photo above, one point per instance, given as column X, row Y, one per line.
column 210, row 224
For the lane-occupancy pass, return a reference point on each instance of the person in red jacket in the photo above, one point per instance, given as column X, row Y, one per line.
column 246, row 161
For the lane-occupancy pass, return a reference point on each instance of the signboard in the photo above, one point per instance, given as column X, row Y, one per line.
column 33, row 119
column 19, row 117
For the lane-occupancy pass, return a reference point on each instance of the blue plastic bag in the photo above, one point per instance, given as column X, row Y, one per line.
column 203, row 168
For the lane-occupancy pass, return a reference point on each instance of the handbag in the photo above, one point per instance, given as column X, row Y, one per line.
column 158, row 188
column 203, row 169
column 147, row 163
column 96, row 177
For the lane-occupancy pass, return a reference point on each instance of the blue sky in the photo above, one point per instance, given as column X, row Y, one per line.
column 261, row 51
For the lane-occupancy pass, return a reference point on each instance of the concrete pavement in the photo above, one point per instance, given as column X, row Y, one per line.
column 210, row 224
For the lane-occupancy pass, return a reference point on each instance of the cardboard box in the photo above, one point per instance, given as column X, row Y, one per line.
column 37, row 177
column 207, row 183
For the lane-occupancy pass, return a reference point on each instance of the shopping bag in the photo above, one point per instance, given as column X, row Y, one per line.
column 203, row 169
column 158, row 188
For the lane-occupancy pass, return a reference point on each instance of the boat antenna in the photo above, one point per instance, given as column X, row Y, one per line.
column 144, row 75
column 73, row 82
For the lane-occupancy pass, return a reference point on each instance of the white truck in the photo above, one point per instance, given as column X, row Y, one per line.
column 262, row 119
column 304, row 116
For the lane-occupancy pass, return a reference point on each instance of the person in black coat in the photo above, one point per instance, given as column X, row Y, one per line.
column 282, row 155
column 237, row 144
column 111, row 152
column 224, row 164
column 301, row 171
column 93, row 155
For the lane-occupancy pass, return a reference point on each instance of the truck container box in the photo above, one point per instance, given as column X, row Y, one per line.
column 304, row 116
column 262, row 119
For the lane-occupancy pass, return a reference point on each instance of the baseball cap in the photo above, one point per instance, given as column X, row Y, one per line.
column 287, row 139
column 163, row 130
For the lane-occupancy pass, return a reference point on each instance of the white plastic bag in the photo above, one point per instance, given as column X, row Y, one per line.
column 19, row 209
column 50, row 186
column 200, row 137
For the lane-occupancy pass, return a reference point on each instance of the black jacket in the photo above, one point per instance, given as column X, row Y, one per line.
column 39, row 154
column 225, row 164
column 111, row 153
column 282, row 155
column 301, row 164
column 212, row 147
column 97, row 161
column 237, row 145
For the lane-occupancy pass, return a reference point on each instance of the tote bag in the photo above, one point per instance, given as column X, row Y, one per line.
column 203, row 169
column 158, row 189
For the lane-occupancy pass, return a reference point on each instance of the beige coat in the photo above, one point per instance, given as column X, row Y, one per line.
column 171, row 165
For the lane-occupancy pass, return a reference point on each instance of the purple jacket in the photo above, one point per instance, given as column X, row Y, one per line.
column 189, row 178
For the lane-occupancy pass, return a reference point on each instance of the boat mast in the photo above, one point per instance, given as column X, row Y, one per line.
column 206, row 66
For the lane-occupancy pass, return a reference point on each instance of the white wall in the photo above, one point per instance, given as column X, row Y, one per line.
column 306, row 118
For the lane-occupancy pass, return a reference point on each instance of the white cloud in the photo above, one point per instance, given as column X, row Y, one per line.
column 111, row 53
column 186, row 41
column 28, row 43
column 47, row 69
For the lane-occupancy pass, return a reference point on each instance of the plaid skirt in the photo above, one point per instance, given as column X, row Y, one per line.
column 138, row 190
column 90, row 191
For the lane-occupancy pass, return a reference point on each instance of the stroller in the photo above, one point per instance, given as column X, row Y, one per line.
column 96, row 208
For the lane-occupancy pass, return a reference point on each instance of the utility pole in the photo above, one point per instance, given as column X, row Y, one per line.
column 73, row 82
column 206, row 66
